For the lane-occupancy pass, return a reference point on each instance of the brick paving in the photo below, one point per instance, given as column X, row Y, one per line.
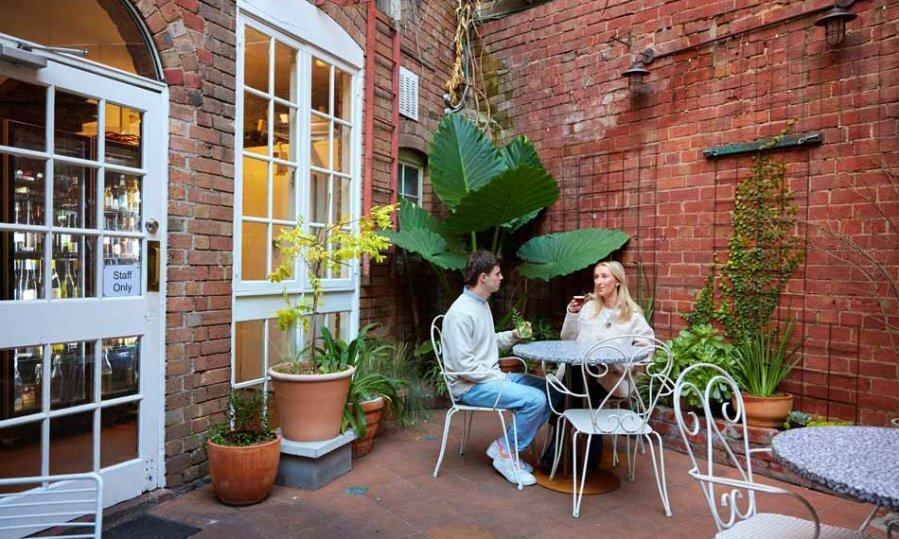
column 391, row 493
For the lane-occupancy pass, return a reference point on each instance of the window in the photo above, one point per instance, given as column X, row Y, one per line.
column 410, row 177
column 298, row 153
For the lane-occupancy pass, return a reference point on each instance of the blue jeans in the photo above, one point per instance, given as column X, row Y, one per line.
column 524, row 394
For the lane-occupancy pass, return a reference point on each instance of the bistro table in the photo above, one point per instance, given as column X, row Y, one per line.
column 574, row 353
column 859, row 462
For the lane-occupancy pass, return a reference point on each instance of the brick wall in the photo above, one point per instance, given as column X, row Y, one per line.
column 634, row 161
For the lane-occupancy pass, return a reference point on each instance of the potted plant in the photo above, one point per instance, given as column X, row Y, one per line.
column 243, row 451
column 371, row 392
column 761, row 362
column 311, row 388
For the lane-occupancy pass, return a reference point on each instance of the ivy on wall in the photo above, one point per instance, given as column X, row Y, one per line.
column 762, row 254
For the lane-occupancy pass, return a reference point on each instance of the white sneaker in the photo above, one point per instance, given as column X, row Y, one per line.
column 493, row 453
column 507, row 468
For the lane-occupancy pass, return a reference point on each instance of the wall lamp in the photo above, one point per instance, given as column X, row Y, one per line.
column 637, row 72
column 834, row 21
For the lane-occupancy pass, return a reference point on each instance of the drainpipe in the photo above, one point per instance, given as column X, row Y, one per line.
column 395, row 138
column 371, row 40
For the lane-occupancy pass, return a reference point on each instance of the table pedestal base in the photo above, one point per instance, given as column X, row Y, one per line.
column 598, row 482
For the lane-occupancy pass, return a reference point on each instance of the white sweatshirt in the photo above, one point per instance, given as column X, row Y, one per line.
column 470, row 343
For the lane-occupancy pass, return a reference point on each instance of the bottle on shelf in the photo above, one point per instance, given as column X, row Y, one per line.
column 19, row 278
column 107, row 197
column 30, row 285
column 122, row 194
column 71, row 282
column 56, row 290
column 133, row 196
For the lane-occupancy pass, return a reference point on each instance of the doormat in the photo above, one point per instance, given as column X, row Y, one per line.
column 150, row 527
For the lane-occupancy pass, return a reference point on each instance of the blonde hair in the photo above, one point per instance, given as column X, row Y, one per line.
column 626, row 304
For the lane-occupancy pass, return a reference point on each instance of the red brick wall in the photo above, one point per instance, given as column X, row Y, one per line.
column 635, row 162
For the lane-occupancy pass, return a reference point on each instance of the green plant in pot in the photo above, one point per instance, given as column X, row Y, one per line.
column 243, row 451
column 761, row 362
column 311, row 387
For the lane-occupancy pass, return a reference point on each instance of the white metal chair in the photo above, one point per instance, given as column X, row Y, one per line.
column 602, row 418
column 737, row 515
column 437, row 343
column 52, row 502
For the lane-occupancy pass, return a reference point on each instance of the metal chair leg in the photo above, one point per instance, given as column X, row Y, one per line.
column 560, row 441
column 446, row 428
column 502, row 420
column 661, row 482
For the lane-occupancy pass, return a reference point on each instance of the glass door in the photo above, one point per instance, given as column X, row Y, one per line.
column 82, row 227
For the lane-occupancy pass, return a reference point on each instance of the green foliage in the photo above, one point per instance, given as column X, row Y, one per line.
column 797, row 419
column 699, row 344
column 327, row 249
column 247, row 422
column 430, row 369
column 336, row 355
column 762, row 254
column 762, row 360
column 492, row 191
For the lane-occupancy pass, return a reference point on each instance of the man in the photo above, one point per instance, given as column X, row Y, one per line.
column 470, row 344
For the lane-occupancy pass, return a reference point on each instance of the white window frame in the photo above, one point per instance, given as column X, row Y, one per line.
column 313, row 34
column 410, row 160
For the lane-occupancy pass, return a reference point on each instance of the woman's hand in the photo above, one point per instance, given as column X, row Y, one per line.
column 574, row 306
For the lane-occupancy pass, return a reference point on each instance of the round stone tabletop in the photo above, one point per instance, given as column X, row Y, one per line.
column 574, row 353
column 861, row 462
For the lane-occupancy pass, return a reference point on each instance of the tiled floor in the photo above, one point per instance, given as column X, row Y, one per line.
column 391, row 493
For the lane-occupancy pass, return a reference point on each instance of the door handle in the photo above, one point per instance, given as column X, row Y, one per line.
column 154, row 264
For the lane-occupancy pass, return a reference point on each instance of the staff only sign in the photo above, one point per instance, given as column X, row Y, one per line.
column 121, row 281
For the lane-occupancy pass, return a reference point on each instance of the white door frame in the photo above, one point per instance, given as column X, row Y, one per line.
column 41, row 322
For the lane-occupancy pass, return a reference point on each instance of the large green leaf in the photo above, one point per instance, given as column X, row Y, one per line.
column 429, row 244
column 412, row 216
column 520, row 151
column 510, row 195
column 519, row 222
column 555, row 255
column 461, row 159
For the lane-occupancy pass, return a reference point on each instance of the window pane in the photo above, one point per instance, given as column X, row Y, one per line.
column 22, row 458
column 24, row 178
column 23, row 114
column 255, row 187
column 341, row 148
column 120, row 369
column 277, row 257
column 76, row 125
column 280, row 343
column 284, row 122
column 253, row 252
column 123, row 135
column 71, row 374
column 21, row 371
column 118, row 434
column 321, row 86
column 341, row 209
column 248, row 341
column 121, row 267
column 72, row 272
column 318, row 197
column 74, row 199
column 255, row 124
column 342, row 95
column 22, row 276
column 285, row 72
column 255, row 64
column 121, row 202
column 410, row 181
column 283, row 193
column 72, row 443
column 319, row 140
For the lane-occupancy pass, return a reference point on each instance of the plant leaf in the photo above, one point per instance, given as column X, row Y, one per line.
column 520, row 151
column 461, row 159
column 519, row 222
column 510, row 195
column 429, row 244
column 554, row 255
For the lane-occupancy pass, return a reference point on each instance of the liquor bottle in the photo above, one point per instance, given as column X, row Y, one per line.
column 19, row 273
column 122, row 193
column 56, row 291
column 71, row 283
column 17, row 211
column 133, row 196
column 107, row 197
column 29, row 287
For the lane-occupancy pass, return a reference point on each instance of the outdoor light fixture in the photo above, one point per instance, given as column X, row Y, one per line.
column 637, row 71
column 834, row 22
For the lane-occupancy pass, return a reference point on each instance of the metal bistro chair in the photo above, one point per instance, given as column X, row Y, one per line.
column 437, row 343
column 52, row 502
column 737, row 515
column 601, row 418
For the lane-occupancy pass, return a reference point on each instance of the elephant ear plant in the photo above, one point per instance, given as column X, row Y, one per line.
column 490, row 193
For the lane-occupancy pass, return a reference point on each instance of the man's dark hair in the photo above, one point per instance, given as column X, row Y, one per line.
column 479, row 262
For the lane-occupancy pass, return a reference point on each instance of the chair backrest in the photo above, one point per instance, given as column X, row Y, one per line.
column 29, row 505
column 437, row 345
column 701, row 427
column 646, row 366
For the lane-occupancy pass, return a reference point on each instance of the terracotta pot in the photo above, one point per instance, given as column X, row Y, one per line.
column 509, row 364
column 243, row 475
column 311, row 405
column 767, row 411
column 373, row 411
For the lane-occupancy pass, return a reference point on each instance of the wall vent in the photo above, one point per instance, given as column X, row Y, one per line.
column 408, row 94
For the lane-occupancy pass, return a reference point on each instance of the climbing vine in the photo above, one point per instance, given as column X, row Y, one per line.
column 762, row 253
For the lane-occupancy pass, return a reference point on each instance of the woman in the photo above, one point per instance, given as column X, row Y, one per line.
column 609, row 312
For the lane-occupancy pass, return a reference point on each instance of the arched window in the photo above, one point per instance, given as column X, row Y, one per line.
column 107, row 29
